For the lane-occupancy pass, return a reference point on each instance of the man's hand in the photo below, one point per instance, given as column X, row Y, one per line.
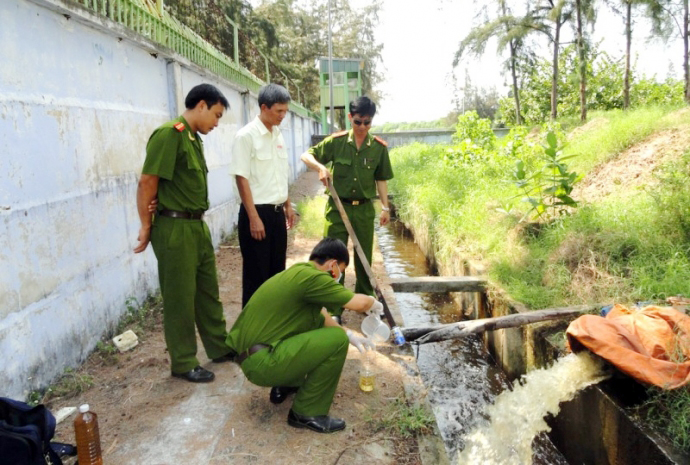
column 144, row 239
column 376, row 309
column 153, row 205
column 324, row 174
column 385, row 218
column 361, row 343
column 256, row 229
column 290, row 215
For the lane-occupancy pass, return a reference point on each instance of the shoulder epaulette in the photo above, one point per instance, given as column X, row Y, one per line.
column 179, row 126
column 339, row 134
column 381, row 141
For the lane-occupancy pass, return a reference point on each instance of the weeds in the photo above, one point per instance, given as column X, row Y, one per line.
column 311, row 213
column 141, row 317
column 547, row 189
column 70, row 384
column 629, row 247
column 668, row 411
column 401, row 419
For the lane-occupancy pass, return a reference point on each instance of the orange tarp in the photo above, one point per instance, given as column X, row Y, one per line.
column 651, row 345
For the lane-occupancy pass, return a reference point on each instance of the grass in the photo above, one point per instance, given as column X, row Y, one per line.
column 628, row 248
column 311, row 218
column 141, row 318
column 669, row 412
column 622, row 130
column 401, row 419
column 70, row 384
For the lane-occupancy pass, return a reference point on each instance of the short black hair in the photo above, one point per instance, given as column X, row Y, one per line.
column 330, row 248
column 363, row 106
column 206, row 92
column 273, row 93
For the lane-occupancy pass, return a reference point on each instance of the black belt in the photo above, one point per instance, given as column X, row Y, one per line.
column 251, row 351
column 275, row 208
column 355, row 201
column 185, row 215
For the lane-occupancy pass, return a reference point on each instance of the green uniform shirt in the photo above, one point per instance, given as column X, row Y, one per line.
column 287, row 304
column 176, row 156
column 355, row 172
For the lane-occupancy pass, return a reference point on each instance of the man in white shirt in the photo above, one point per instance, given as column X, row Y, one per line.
column 260, row 166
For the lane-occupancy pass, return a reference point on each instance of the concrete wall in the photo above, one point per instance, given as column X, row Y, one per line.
column 427, row 136
column 79, row 97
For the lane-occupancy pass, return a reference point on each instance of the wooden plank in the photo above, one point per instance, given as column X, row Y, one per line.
column 436, row 333
column 439, row 284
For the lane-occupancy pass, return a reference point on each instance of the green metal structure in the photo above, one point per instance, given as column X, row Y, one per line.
column 149, row 19
column 347, row 85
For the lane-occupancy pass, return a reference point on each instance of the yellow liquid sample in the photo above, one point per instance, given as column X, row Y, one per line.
column 366, row 383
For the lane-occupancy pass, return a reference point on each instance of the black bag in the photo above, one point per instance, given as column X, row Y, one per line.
column 25, row 434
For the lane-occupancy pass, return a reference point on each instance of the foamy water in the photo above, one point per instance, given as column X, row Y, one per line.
column 517, row 416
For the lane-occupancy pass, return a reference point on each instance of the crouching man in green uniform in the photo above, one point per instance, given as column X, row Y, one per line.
column 175, row 173
column 286, row 339
column 359, row 167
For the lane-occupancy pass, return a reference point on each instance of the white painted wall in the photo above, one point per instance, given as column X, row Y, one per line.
column 79, row 97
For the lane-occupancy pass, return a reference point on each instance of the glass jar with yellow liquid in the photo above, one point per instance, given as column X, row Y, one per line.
column 367, row 377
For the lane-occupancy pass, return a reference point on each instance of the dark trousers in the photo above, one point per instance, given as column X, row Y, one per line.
column 261, row 259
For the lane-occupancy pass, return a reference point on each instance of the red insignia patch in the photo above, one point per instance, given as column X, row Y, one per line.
column 339, row 134
column 381, row 141
column 179, row 126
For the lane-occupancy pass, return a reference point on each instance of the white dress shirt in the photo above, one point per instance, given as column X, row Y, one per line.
column 260, row 156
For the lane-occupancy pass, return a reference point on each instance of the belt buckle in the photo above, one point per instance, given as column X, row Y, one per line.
column 355, row 202
column 276, row 208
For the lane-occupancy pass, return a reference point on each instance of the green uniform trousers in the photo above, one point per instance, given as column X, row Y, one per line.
column 189, row 286
column 362, row 219
column 311, row 361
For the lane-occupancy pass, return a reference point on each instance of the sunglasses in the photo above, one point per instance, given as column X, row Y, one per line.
column 360, row 122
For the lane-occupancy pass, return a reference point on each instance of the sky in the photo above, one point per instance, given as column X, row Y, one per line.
column 420, row 40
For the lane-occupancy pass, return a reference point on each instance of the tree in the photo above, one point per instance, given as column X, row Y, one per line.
column 510, row 32
column 545, row 13
column 292, row 34
column 302, row 30
column 667, row 16
column 625, row 9
column 585, row 13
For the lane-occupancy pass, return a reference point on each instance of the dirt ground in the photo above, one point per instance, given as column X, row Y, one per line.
column 139, row 404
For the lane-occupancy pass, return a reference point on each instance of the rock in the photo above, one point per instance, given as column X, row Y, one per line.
column 126, row 341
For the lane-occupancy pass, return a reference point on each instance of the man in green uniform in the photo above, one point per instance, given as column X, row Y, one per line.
column 359, row 167
column 175, row 173
column 287, row 340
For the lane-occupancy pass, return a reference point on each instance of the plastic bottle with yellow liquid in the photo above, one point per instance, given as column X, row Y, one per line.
column 367, row 378
column 88, row 437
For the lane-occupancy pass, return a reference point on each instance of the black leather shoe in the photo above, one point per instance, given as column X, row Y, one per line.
column 280, row 393
column 229, row 357
column 197, row 375
column 320, row 424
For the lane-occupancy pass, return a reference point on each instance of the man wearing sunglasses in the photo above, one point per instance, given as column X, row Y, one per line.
column 360, row 167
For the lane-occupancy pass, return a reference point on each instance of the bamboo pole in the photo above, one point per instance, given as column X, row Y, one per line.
column 424, row 335
column 360, row 253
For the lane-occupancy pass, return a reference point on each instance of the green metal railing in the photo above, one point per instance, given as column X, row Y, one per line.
column 148, row 19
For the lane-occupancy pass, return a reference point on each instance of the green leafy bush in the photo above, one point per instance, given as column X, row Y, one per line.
column 547, row 189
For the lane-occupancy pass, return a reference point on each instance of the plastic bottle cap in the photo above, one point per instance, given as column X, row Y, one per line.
column 84, row 408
